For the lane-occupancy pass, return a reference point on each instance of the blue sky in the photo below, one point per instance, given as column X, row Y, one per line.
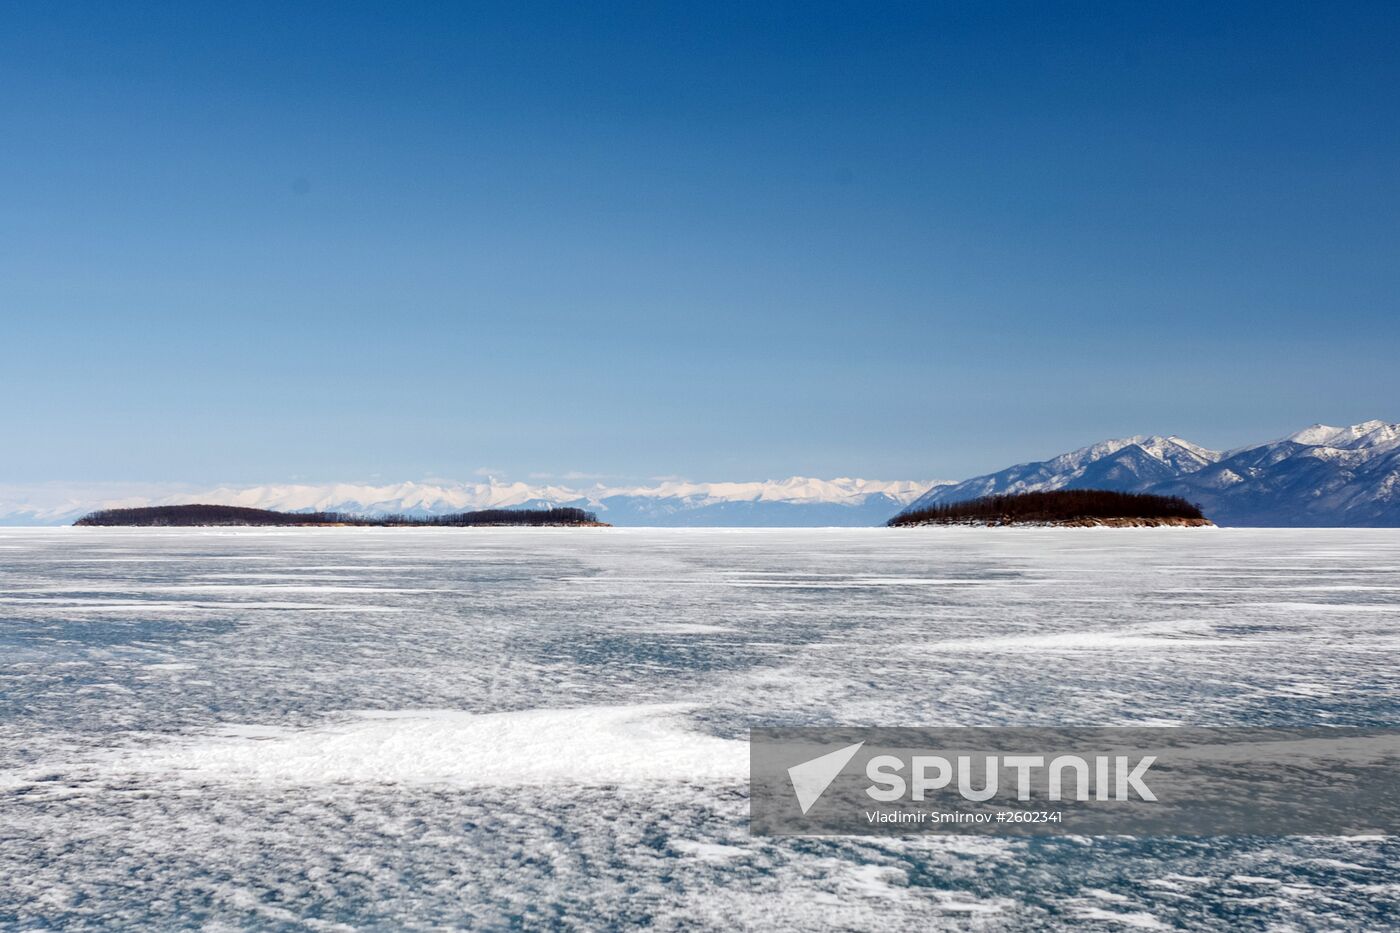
column 245, row 242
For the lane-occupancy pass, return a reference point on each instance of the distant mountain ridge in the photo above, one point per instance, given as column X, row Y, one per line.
column 1319, row 476
column 795, row 501
column 1120, row 465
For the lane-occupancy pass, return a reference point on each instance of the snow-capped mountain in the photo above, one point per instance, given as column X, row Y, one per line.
column 1319, row 476
column 797, row 501
column 1124, row 463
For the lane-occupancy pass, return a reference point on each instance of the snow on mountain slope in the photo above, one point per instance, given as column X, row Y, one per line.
column 414, row 498
column 794, row 501
column 1319, row 476
column 1123, row 463
column 794, row 489
column 1367, row 434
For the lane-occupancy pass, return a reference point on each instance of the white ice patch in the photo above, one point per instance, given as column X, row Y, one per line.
column 691, row 628
column 595, row 746
column 708, row 851
column 1178, row 634
column 1139, row 920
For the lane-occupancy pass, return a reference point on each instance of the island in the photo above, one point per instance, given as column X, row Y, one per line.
column 200, row 515
column 1075, row 508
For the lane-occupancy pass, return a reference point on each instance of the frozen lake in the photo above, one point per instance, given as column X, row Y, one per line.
column 418, row 728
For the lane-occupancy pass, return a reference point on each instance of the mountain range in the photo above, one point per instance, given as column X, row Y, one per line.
column 1319, row 476
column 797, row 501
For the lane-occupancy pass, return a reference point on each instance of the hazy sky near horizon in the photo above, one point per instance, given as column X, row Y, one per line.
column 266, row 242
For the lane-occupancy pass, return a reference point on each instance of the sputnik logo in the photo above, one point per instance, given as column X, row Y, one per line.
column 811, row 778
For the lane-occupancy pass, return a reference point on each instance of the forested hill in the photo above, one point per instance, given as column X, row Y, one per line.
column 1060, row 507
column 196, row 515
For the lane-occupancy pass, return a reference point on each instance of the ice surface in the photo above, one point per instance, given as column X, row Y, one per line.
column 590, row 746
column 381, row 728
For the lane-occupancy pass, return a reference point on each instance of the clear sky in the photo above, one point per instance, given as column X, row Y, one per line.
column 245, row 242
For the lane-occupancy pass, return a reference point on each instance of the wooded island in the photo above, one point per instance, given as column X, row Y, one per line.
column 1069, row 507
column 198, row 515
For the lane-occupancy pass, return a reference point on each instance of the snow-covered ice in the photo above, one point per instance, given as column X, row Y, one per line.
column 428, row 728
column 562, row 748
